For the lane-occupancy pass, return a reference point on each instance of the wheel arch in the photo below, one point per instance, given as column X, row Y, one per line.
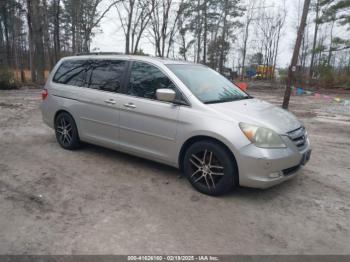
column 62, row 111
column 190, row 141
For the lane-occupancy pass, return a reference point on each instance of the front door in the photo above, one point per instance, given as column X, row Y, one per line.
column 148, row 126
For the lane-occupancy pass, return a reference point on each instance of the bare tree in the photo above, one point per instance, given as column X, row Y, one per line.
column 134, row 16
column 127, row 22
column 92, row 20
column 46, row 33
column 249, row 16
column 164, row 19
column 269, row 27
column 205, row 28
column 56, row 33
column 84, row 17
column 317, row 22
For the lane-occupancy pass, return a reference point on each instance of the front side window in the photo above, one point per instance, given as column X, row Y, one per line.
column 145, row 79
column 206, row 84
column 72, row 72
column 106, row 75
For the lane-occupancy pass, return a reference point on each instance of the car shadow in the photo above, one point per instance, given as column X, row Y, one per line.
column 128, row 158
column 171, row 172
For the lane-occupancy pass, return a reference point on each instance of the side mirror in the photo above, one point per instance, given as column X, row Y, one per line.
column 165, row 94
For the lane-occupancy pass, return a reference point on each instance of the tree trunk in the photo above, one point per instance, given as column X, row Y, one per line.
column 56, row 35
column 7, row 37
column 47, row 34
column 36, row 37
column 330, row 45
column 315, row 39
column 244, row 53
column 128, row 29
column 30, row 41
column 223, row 37
column 295, row 56
column 199, row 30
column 205, row 35
column 277, row 46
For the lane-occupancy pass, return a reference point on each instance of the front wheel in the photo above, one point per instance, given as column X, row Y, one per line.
column 210, row 168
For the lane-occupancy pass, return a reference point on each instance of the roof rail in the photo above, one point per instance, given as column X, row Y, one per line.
column 99, row 53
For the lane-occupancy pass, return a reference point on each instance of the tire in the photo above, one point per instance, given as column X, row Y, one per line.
column 216, row 175
column 66, row 131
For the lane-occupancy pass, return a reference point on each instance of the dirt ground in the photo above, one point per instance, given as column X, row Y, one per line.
column 98, row 201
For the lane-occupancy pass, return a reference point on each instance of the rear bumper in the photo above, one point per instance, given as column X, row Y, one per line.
column 45, row 117
column 264, row 168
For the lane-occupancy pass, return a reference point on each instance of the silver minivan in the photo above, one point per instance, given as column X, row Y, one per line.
column 181, row 114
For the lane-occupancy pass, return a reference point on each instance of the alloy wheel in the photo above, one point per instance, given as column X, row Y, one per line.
column 207, row 170
column 64, row 130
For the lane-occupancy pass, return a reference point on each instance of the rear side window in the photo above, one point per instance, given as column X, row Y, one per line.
column 106, row 75
column 72, row 73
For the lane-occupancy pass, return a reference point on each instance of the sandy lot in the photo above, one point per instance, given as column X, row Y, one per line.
column 98, row 201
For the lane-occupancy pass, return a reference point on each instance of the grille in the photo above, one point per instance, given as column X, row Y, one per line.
column 291, row 170
column 298, row 136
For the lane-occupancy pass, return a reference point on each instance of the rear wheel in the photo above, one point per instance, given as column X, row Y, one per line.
column 66, row 131
column 210, row 168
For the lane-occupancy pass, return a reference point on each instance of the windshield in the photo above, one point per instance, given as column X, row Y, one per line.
column 207, row 85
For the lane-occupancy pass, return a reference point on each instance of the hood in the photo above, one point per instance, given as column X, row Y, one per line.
column 258, row 112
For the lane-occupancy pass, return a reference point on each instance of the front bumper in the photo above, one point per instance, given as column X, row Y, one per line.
column 264, row 168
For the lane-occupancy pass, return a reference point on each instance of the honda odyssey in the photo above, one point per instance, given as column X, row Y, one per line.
column 181, row 114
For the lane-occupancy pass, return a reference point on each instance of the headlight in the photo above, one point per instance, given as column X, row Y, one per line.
column 261, row 136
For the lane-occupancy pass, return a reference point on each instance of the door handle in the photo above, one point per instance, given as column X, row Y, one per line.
column 130, row 105
column 110, row 101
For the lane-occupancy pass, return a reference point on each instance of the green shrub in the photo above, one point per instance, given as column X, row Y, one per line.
column 326, row 76
column 7, row 80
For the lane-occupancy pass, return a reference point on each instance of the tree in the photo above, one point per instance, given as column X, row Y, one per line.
column 56, row 11
column 36, row 44
column 296, row 53
column 138, row 15
column 269, row 27
column 317, row 22
column 249, row 16
column 83, row 17
column 230, row 10
column 257, row 58
column 341, row 7
column 164, row 17
column 222, row 25
column 183, row 27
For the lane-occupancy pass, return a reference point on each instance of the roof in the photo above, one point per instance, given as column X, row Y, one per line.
column 103, row 55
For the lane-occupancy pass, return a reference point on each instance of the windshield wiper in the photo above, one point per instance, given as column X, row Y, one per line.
column 215, row 102
column 247, row 97
column 227, row 100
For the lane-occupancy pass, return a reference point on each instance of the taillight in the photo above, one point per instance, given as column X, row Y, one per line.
column 44, row 94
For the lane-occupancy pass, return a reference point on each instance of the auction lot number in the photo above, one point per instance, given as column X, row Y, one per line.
column 173, row 258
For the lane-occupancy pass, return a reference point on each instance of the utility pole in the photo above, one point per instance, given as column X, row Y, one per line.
column 295, row 56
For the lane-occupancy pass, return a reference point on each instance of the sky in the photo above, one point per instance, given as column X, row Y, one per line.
column 110, row 38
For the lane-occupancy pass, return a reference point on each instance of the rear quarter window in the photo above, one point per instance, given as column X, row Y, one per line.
column 72, row 72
